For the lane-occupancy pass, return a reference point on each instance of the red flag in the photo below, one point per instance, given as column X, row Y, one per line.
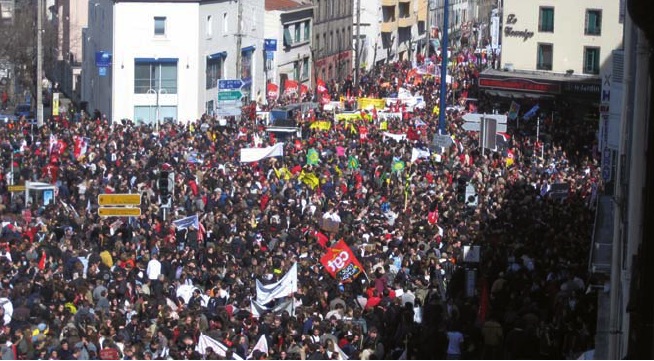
column 290, row 87
column 303, row 89
column 321, row 86
column 341, row 263
column 321, row 238
column 42, row 261
column 273, row 90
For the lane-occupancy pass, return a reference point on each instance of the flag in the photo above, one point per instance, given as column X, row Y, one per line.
column 341, row 263
column 255, row 154
column 261, row 345
column 509, row 158
column 257, row 309
column 321, row 238
column 282, row 288
column 272, row 90
column 313, row 157
column 383, row 125
column 291, row 87
column 309, row 179
column 205, row 342
column 397, row 165
column 321, row 86
column 531, row 112
column 352, row 162
column 283, row 173
column 187, row 222
column 513, row 110
column 436, row 111
column 417, row 153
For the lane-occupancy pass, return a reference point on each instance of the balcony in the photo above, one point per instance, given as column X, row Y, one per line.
column 389, row 26
column 388, row 2
column 407, row 21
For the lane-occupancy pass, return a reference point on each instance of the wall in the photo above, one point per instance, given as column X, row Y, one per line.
column 568, row 38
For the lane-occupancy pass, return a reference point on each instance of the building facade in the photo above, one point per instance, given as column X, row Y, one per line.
column 537, row 35
column 332, row 39
column 167, row 60
column 289, row 67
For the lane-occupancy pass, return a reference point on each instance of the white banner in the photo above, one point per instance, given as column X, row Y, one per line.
column 205, row 342
column 255, row 154
column 281, row 288
column 397, row 137
column 257, row 309
column 417, row 153
column 261, row 345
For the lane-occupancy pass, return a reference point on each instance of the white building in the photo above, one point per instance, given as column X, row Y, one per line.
column 167, row 56
column 289, row 24
column 538, row 35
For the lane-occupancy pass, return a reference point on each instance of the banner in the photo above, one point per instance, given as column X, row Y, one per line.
column 272, row 90
column 257, row 309
column 255, row 154
column 282, row 288
column 291, row 87
column 187, row 222
column 417, row 153
column 513, row 111
column 321, row 86
column 321, row 125
column 389, row 115
column 369, row 103
column 205, row 342
column 396, row 137
column 261, row 345
column 341, row 263
column 347, row 116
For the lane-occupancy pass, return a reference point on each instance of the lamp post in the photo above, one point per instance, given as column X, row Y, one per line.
column 444, row 42
column 39, row 63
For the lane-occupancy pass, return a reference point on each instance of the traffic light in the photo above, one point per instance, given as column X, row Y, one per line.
column 166, row 185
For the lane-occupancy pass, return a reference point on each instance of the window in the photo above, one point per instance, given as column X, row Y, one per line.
column 208, row 27
column 147, row 114
column 155, row 75
column 225, row 24
column 546, row 20
column 288, row 41
column 160, row 25
column 214, row 71
column 591, row 60
column 305, row 69
column 296, row 70
column 307, row 30
column 545, row 56
column 593, row 22
column 298, row 30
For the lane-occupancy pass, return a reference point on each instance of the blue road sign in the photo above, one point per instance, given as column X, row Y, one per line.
column 229, row 84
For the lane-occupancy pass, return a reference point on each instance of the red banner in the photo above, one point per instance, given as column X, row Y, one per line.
column 341, row 263
column 303, row 90
column 272, row 90
column 290, row 87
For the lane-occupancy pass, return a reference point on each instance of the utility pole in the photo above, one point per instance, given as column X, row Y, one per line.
column 239, row 38
column 357, row 53
column 428, row 28
column 444, row 46
column 39, row 63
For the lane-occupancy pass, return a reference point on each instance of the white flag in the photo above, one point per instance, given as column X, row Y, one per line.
column 261, row 345
column 417, row 153
column 255, row 154
column 205, row 342
column 257, row 309
column 281, row 288
column 396, row 137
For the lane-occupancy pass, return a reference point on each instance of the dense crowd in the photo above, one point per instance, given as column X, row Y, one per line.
column 78, row 286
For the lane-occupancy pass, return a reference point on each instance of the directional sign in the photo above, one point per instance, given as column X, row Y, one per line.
column 230, row 95
column 230, row 84
column 16, row 188
column 475, row 126
column 476, row 117
column 119, row 199
column 442, row 140
column 119, row 212
column 228, row 112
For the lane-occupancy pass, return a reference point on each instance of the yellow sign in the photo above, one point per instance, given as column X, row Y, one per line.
column 119, row 199
column 16, row 188
column 118, row 212
column 347, row 116
column 55, row 104
column 369, row 103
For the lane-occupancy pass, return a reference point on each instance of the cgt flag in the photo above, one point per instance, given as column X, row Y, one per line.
column 341, row 263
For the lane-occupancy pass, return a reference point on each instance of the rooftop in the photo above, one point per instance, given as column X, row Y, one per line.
column 281, row 5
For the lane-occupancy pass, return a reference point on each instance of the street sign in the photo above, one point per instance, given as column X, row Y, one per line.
column 119, row 199
column 119, row 212
column 16, row 188
column 475, row 127
column 228, row 112
column 230, row 84
column 230, row 95
column 476, row 117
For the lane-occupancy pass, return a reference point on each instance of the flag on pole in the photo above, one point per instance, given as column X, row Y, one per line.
column 528, row 115
column 313, row 157
column 352, row 162
column 513, row 110
column 187, row 222
column 397, row 165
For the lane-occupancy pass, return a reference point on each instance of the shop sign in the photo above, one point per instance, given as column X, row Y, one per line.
column 520, row 84
column 509, row 31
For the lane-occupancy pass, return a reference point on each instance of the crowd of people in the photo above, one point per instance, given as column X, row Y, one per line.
column 79, row 286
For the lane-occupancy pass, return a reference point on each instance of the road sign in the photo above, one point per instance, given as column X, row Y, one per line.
column 476, row 117
column 16, row 188
column 228, row 111
column 119, row 212
column 230, row 95
column 230, row 84
column 476, row 126
column 119, row 199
